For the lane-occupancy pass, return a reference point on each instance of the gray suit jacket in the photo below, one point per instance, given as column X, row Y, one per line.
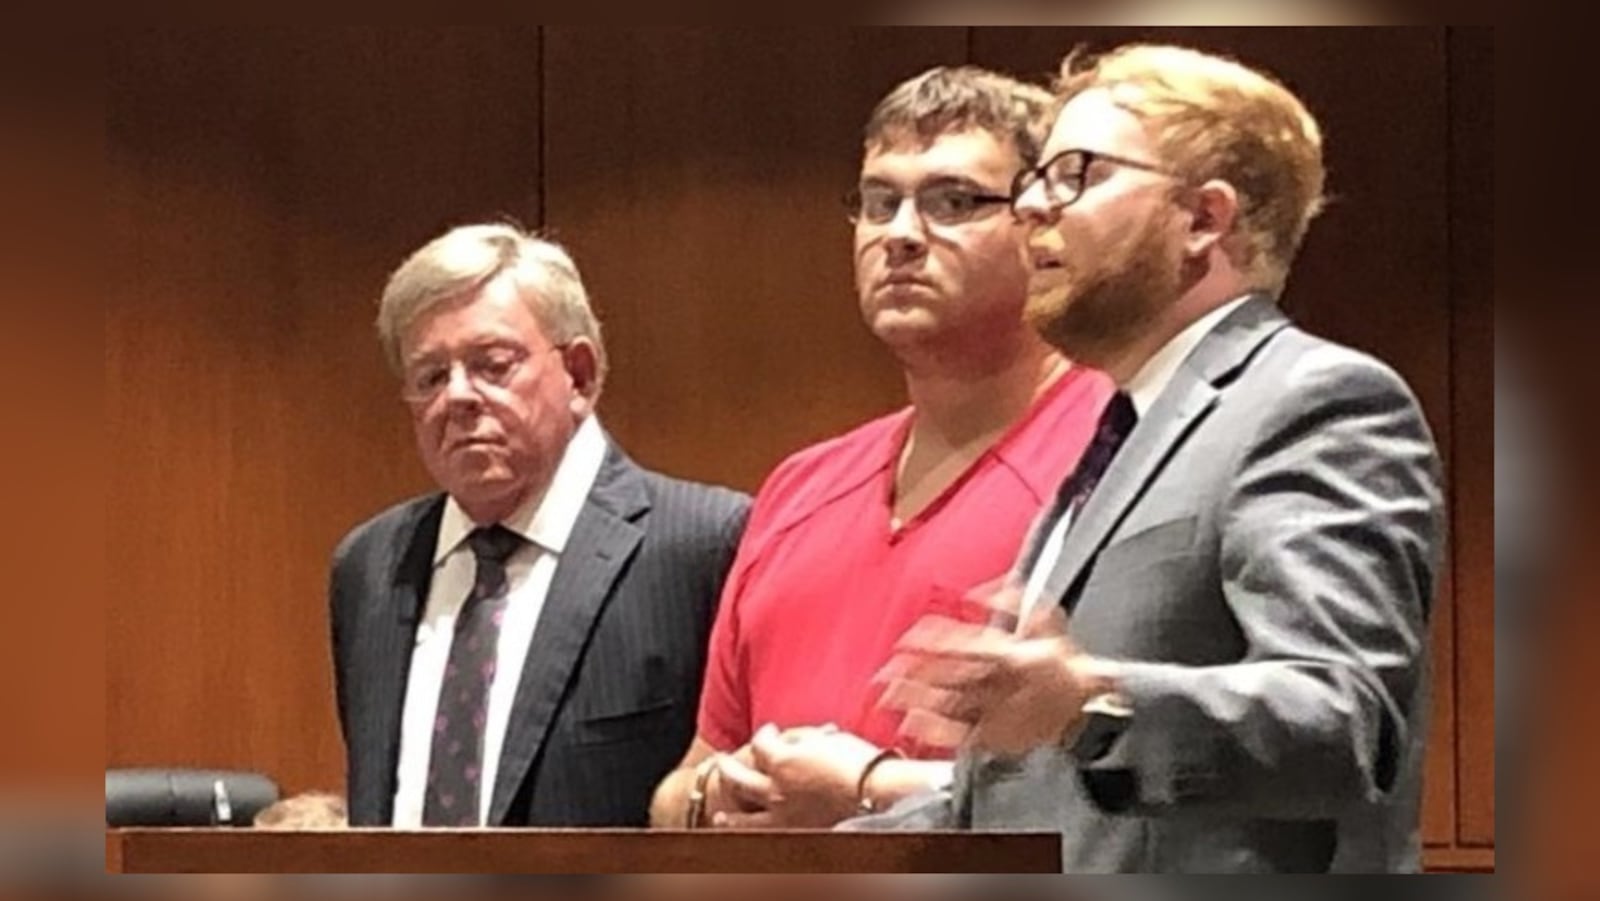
column 1261, row 556
column 607, row 699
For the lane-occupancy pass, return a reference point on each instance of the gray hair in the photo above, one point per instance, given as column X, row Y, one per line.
column 465, row 259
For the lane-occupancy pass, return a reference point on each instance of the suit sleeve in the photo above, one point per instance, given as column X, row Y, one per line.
column 727, row 546
column 1330, row 536
column 932, row 810
column 338, row 606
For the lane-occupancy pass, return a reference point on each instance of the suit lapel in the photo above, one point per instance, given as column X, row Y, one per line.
column 391, row 641
column 1194, row 390
column 607, row 532
column 1184, row 403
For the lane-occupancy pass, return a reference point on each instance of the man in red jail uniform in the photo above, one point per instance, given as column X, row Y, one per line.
column 854, row 539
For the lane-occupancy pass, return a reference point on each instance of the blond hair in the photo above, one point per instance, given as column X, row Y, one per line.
column 948, row 99
column 311, row 810
column 1214, row 118
column 464, row 260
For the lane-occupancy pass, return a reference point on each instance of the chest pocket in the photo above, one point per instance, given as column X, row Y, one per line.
column 1148, row 544
column 648, row 720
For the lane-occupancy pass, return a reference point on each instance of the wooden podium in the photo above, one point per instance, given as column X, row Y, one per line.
column 576, row 851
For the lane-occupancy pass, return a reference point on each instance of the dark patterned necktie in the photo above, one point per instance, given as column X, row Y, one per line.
column 455, row 766
column 1116, row 422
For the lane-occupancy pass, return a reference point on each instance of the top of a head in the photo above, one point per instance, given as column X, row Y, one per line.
column 949, row 99
column 1211, row 117
column 462, row 261
column 309, row 810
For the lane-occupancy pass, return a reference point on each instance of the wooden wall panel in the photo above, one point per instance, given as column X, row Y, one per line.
column 261, row 185
column 696, row 176
column 1471, row 55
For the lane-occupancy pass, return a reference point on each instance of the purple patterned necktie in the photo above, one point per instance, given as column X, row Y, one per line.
column 1116, row 422
column 455, row 765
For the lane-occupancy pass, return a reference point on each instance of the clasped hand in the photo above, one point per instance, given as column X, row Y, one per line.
column 791, row 779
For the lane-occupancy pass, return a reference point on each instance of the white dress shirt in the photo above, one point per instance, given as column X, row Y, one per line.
column 546, row 525
column 1143, row 389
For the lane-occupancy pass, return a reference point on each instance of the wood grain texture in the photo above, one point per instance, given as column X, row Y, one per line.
column 581, row 851
column 696, row 175
column 1471, row 54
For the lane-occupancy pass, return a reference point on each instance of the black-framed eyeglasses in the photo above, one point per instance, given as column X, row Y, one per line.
column 1066, row 174
column 939, row 202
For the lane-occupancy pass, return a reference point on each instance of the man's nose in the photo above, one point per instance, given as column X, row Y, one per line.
column 459, row 388
column 1033, row 206
column 905, row 233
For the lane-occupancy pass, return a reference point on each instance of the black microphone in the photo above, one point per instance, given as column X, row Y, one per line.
column 186, row 797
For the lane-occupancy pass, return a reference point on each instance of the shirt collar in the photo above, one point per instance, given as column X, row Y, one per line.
column 548, row 521
column 1153, row 377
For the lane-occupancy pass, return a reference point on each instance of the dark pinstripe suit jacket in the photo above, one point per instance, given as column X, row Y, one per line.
column 606, row 704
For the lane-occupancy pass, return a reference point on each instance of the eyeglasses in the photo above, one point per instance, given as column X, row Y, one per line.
column 1065, row 175
column 487, row 368
column 940, row 202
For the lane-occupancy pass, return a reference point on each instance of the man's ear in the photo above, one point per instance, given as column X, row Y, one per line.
column 1213, row 208
column 582, row 360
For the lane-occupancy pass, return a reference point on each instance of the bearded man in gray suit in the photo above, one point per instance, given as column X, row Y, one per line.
column 1213, row 654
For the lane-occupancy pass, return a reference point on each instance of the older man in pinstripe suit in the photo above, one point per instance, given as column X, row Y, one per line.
column 526, row 647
